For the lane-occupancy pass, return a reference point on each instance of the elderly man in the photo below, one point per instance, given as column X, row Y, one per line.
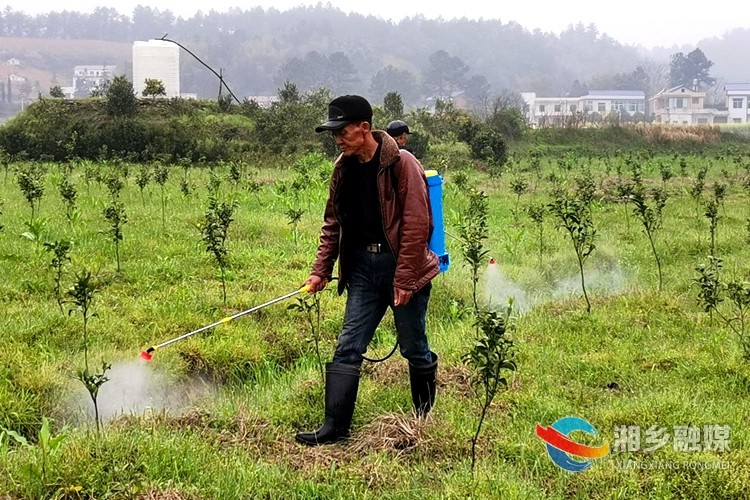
column 399, row 130
column 377, row 224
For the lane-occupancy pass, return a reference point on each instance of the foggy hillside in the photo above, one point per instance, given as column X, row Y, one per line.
column 322, row 46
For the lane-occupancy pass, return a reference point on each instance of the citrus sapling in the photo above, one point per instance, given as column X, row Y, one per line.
column 161, row 176
column 81, row 296
column 30, row 178
column 60, row 250
column 536, row 213
column 69, row 194
column 575, row 217
column 310, row 307
column 472, row 234
column 651, row 217
column 519, row 185
column 295, row 216
column 117, row 217
column 490, row 359
column 215, row 229
column 712, row 214
column 142, row 178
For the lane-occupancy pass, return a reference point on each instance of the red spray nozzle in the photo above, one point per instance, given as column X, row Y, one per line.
column 147, row 354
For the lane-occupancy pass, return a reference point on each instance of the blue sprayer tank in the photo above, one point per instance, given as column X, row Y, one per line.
column 437, row 239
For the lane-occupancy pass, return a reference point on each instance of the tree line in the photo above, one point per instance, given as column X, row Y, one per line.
column 484, row 62
column 258, row 50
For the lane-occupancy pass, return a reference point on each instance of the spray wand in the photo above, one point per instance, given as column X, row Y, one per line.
column 148, row 353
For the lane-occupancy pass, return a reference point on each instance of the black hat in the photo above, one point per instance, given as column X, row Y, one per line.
column 346, row 109
column 397, row 128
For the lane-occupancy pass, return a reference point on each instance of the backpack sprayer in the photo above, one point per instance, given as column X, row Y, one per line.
column 437, row 238
column 149, row 353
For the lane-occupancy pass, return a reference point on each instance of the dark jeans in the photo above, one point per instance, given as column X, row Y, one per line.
column 369, row 294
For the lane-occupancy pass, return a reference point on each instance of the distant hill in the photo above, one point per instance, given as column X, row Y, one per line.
column 258, row 50
column 46, row 62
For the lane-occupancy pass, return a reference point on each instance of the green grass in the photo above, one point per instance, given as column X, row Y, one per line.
column 214, row 416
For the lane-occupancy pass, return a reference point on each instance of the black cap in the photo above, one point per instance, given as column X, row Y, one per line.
column 346, row 109
column 397, row 128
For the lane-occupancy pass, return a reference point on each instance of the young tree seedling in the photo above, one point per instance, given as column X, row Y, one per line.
column 472, row 234
column 665, row 170
column 519, row 185
column 60, row 250
column 575, row 217
column 215, row 229
column 69, row 194
column 713, row 291
column 235, row 173
column 142, row 179
column 712, row 214
column 30, row 177
column 161, row 175
column 490, row 358
column 536, row 213
column 651, row 218
column 698, row 185
column 310, row 307
column 295, row 216
column 82, row 296
column 115, row 214
column 5, row 162
column 585, row 186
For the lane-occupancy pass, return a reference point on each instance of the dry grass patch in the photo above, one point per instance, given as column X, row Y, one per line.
column 455, row 379
column 388, row 374
column 658, row 133
column 392, row 432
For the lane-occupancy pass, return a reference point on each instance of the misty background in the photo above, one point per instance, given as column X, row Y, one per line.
column 258, row 50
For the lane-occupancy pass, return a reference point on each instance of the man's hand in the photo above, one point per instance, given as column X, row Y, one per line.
column 316, row 283
column 401, row 297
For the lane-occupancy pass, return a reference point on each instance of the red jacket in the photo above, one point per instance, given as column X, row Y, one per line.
column 405, row 211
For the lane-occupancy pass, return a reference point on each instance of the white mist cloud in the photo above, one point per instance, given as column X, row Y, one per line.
column 136, row 387
column 607, row 279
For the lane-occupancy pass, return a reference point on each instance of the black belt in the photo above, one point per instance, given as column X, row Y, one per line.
column 377, row 248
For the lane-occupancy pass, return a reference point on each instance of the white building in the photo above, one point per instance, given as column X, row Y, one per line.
column 738, row 102
column 156, row 59
column 619, row 101
column 92, row 74
column 683, row 105
column 560, row 111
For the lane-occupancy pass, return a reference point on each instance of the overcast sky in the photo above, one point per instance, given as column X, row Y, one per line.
column 637, row 22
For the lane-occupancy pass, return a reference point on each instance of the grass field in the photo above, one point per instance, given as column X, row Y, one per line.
column 214, row 416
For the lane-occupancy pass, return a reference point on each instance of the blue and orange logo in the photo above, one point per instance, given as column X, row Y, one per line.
column 560, row 446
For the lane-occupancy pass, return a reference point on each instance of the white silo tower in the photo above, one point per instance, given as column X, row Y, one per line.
column 157, row 59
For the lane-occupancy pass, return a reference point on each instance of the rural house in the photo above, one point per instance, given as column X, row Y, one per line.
column 89, row 76
column 738, row 102
column 682, row 105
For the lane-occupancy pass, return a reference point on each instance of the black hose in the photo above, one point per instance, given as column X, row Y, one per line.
column 382, row 359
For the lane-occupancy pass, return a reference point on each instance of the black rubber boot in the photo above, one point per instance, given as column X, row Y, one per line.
column 422, row 379
column 342, row 383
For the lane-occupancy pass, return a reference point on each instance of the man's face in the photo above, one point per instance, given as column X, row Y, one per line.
column 402, row 139
column 351, row 138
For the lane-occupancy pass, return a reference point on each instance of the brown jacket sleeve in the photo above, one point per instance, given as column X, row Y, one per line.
column 328, row 247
